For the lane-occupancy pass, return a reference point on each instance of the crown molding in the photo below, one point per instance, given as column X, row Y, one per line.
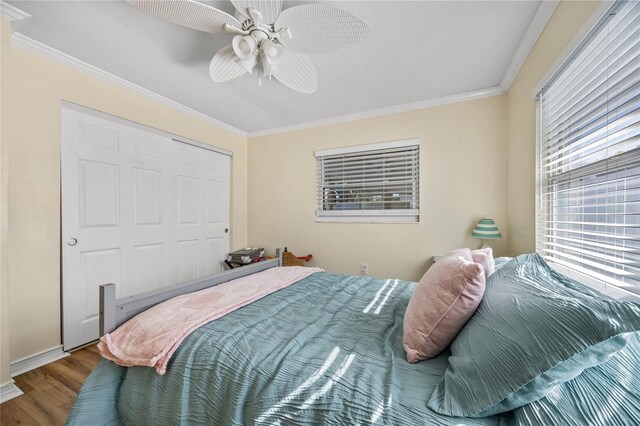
column 53, row 54
column 12, row 13
column 537, row 25
column 533, row 32
column 396, row 109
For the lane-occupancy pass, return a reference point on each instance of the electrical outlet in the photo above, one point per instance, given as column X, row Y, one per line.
column 364, row 269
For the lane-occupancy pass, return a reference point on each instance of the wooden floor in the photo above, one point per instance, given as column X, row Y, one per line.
column 49, row 391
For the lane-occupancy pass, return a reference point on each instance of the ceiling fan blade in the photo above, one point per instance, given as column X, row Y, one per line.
column 297, row 72
column 270, row 9
column 316, row 28
column 188, row 13
column 223, row 66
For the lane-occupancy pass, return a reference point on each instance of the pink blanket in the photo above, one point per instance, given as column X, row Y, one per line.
column 151, row 337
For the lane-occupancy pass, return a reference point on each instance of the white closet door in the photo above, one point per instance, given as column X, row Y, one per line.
column 201, row 211
column 139, row 210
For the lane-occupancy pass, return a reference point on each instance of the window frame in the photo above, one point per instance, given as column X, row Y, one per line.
column 543, row 213
column 365, row 215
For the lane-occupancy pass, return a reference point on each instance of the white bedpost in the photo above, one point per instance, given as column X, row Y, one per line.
column 279, row 256
column 107, row 308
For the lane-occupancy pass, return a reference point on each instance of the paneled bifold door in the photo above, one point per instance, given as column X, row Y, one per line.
column 139, row 209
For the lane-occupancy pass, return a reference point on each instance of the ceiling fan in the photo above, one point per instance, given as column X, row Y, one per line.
column 277, row 40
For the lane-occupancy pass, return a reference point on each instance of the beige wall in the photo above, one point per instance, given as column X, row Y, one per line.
column 38, row 87
column 477, row 160
column 5, row 40
column 462, row 179
column 567, row 21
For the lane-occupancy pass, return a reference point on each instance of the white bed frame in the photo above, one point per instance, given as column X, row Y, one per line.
column 114, row 313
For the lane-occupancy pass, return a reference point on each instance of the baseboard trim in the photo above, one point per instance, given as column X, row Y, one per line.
column 9, row 391
column 37, row 360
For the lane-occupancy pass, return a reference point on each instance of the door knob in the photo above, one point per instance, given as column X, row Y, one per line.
column 72, row 241
column 226, row 230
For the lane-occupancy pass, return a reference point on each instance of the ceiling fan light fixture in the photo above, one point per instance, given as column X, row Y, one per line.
column 244, row 46
column 248, row 64
column 273, row 52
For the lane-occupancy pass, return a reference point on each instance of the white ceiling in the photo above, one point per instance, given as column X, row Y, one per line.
column 418, row 50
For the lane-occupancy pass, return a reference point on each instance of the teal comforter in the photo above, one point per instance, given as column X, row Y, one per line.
column 326, row 350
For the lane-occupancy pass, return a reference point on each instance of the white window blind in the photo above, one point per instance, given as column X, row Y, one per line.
column 378, row 182
column 588, row 208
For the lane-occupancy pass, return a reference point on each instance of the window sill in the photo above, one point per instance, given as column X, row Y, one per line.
column 369, row 216
column 367, row 219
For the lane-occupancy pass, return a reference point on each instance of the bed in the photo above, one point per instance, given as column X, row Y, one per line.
column 328, row 349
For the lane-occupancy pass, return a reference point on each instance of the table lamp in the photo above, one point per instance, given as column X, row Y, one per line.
column 486, row 229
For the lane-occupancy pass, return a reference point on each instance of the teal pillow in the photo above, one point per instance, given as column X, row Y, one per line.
column 534, row 330
column 604, row 395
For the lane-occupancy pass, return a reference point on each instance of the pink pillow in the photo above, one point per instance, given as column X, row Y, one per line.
column 444, row 300
column 484, row 257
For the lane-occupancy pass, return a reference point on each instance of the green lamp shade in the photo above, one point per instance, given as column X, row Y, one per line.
column 486, row 229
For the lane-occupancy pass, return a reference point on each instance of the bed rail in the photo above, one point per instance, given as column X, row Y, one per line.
column 114, row 313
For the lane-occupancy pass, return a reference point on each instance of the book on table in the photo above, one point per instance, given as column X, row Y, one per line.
column 247, row 255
